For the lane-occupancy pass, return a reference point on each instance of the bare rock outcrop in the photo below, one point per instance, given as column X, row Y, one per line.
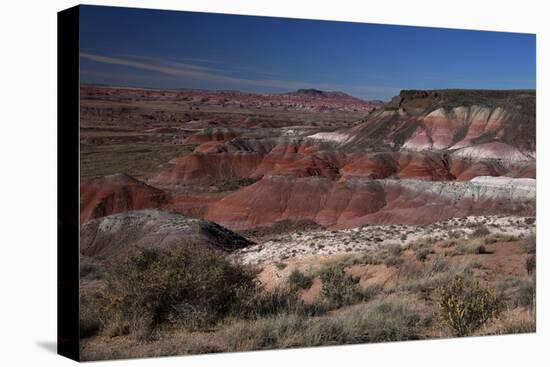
column 116, row 236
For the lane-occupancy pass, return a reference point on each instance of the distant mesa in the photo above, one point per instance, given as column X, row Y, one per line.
column 311, row 92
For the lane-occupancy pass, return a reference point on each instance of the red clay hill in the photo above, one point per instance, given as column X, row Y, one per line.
column 333, row 159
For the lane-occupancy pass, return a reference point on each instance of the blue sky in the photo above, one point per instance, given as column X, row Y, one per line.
column 168, row 49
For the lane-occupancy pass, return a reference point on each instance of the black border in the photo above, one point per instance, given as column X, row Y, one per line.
column 68, row 92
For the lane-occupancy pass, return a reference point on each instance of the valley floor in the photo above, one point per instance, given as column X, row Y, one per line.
column 397, row 271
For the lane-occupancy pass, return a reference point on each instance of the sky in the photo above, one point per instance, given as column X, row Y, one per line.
column 174, row 49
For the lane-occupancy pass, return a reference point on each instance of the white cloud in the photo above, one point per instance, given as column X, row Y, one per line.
column 200, row 73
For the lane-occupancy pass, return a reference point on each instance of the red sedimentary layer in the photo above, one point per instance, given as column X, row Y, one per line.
column 115, row 194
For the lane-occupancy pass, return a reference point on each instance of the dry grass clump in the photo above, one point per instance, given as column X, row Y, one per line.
column 480, row 231
column 498, row 237
column 376, row 321
column 340, row 289
column 389, row 255
column 516, row 322
column 525, row 293
column 92, row 316
column 421, row 250
column 434, row 274
column 299, row 280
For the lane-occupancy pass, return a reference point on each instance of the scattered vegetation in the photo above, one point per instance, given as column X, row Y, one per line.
column 464, row 306
column 376, row 321
column 299, row 280
column 210, row 297
column 480, row 231
column 514, row 322
column 339, row 288
column 154, row 287
column 135, row 159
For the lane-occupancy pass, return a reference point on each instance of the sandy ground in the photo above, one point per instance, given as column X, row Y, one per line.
column 330, row 242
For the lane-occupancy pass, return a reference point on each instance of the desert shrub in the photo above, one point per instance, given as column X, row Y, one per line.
column 390, row 255
column 455, row 234
column 194, row 289
column 370, row 291
column 498, row 237
column 437, row 265
column 299, row 280
column 480, row 231
column 459, row 249
column 464, row 306
column 260, row 303
column 434, row 274
column 410, row 269
column 370, row 259
column 422, row 254
column 280, row 265
column 338, row 287
column 392, row 260
column 472, row 248
column 394, row 249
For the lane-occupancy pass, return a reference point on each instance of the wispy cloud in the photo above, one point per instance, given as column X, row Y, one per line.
column 200, row 73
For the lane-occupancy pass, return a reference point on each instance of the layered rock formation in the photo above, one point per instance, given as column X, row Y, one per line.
column 116, row 236
column 423, row 157
column 356, row 201
column 116, row 193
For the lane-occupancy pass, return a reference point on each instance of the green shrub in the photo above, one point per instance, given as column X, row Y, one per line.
column 465, row 306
